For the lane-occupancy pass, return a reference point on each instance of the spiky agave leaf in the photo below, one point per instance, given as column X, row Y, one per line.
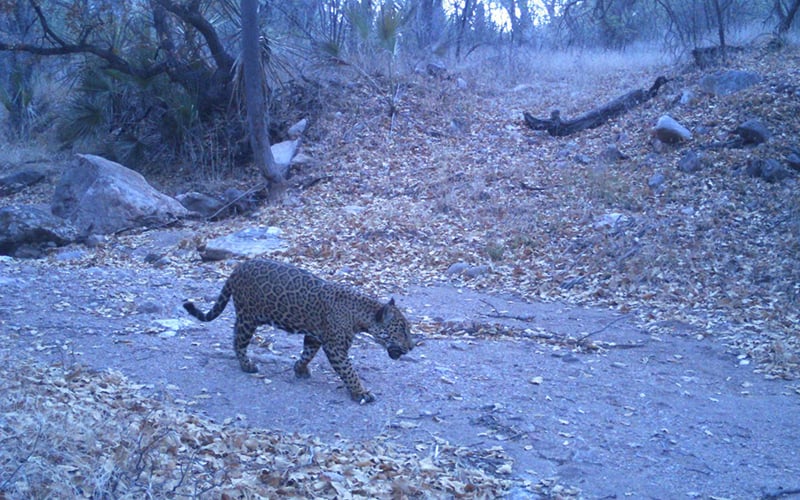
column 82, row 118
column 389, row 24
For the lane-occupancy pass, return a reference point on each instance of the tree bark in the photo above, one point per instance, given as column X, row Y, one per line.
column 556, row 127
column 254, row 89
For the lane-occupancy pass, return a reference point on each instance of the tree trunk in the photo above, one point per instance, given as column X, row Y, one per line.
column 557, row 127
column 255, row 101
column 463, row 22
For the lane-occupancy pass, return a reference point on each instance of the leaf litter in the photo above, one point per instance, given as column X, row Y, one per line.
column 715, row 253
column 95, row 434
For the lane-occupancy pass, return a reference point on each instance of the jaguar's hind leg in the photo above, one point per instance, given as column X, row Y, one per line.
column 310, row 347
column 243, row 332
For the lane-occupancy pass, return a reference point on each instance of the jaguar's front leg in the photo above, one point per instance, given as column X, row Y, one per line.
column 310, row 347
column 337, row 356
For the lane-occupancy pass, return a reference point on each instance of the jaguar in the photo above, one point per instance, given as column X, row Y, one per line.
column 328, row 314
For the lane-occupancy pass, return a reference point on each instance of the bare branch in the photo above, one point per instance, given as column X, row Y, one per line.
column 190, row 14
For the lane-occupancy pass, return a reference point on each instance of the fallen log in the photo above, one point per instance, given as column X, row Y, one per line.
column 557, row 127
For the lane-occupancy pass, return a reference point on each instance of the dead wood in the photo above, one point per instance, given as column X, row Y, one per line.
column 557, row 127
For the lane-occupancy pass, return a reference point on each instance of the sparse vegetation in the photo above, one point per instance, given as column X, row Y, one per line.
column 441, row 169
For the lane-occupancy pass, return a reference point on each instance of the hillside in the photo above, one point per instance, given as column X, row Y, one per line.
column 456, row 176
column 388, row 203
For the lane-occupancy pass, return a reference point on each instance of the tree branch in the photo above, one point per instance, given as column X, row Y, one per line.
column 190, row 14
column 61, row 47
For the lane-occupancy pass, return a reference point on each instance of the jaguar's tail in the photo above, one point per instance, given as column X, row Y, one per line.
column 216, row 310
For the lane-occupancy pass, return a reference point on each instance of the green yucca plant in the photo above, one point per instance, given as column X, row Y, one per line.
column 389, row 25
column 359, row 15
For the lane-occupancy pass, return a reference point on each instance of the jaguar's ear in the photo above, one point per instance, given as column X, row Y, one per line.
column 386, row 313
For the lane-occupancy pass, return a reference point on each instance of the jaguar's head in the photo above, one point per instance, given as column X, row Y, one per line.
column 392, row 331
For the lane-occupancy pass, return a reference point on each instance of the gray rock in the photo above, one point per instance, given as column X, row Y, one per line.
column 251, row 242
column 770, row 169
column 95, row 240
column 612, row 154
column 669, row 131
column 475, row 271
column 436, row 70
column 298, row 129
column 728, row 82
column 354, row 209
column 464, row 269
column 690, row 162
column 26, row 231
column 149, row 307
column 793, row 160
column 687, row 97
column 239, row 202
column 753, row 132
column 16, row 182
column 457, row 268
column 610, row 220
column 68, row 254
column 283, row 152
column 101, row 197
column 200, row 203
column 656, row 182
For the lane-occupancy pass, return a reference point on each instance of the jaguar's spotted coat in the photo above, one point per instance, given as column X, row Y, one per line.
column 327, row 314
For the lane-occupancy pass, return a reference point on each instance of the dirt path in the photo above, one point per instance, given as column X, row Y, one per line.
column 651, row 418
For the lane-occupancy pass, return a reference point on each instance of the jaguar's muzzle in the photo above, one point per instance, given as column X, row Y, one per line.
column 395, row 351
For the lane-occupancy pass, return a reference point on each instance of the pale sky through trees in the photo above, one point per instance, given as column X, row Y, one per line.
column 497, row 12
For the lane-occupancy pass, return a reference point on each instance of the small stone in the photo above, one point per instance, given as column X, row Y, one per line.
column 770, row 169
column 475, row 271
column 753, row 132
column 773, row 171
column 250, row 243
column 457, row 268
column 148, row 307
column 690, row 162
column 298, row 129
column 656, row 182
column 610, row 220
column 687, row 97
column 793, row 160
column 668, row 130
column 95, row 240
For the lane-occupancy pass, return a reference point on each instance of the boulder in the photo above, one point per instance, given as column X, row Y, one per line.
column 753, row 132
column 249, row 243
column 101, row 196
column 728, row 82
column 670, row 131
column 26, row 231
